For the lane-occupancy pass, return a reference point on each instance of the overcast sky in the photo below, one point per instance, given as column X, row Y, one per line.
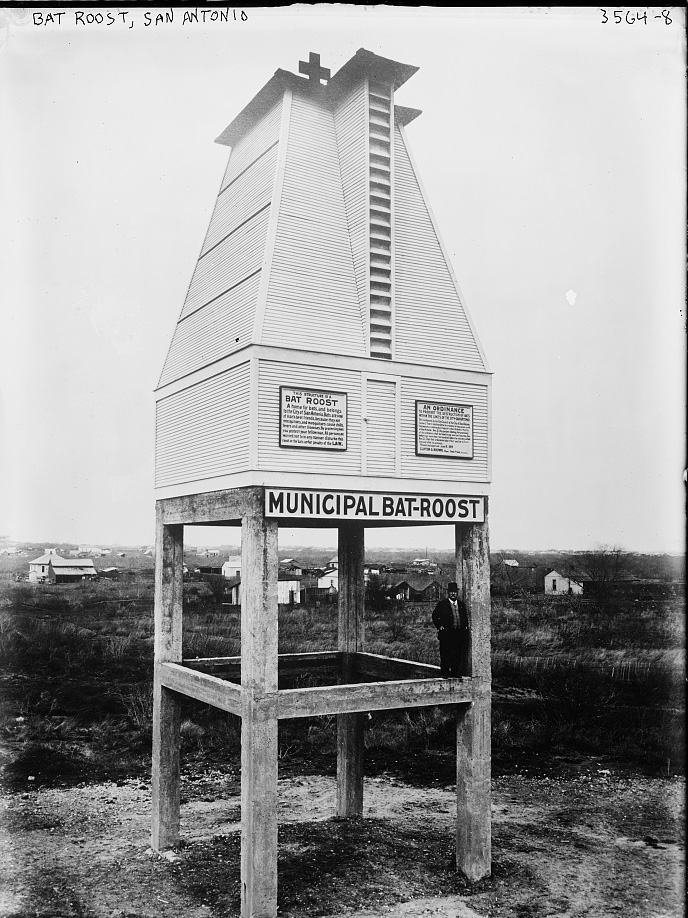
column 552, row 149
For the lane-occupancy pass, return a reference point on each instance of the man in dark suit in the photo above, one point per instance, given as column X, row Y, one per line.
column 450, row 617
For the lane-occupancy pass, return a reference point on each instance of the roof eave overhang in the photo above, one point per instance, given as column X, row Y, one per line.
column 260, row 105
column 404, row 116
column 363, row 63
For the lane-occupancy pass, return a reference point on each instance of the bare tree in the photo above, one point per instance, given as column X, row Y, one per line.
column 604, row 568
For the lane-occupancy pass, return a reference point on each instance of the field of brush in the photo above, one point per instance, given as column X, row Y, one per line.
column 569, row 679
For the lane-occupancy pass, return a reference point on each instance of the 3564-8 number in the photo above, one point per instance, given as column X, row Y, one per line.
column 631, row 16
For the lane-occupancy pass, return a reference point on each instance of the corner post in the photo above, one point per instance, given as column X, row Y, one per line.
column 473, row 746
column 169, row 585
column 258, row 713
column 351, row 623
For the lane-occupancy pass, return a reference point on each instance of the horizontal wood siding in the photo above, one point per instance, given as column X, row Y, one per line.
column 312, row 300
column 413, row 466
column 211, row 333
column 202, row 431
column 241, row 200
column 350, row 126
column 250, row 147
column 218, row 308
column 228, row 263
column 380, row 426
column 430, row 322
column 272, row 375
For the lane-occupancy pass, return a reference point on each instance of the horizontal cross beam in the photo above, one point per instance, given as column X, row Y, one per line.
column 229, row 506
column 202, row 686
column 314, row 702
column 330, row 660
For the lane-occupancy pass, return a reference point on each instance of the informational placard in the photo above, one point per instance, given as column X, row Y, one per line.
column 297, row 503
column 444, row 429
column 312, row 418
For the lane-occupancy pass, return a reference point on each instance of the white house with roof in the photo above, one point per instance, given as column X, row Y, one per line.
column 38, row 568
column 232, row 567
column 556, row 583
column 329, row 579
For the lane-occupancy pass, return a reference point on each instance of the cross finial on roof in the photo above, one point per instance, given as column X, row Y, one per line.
column 313, row 70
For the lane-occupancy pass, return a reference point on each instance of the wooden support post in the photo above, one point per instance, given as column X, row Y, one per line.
column 473, row 748
column 351, row 624
column 259, row 715
column 460, row 532
column 169, row 576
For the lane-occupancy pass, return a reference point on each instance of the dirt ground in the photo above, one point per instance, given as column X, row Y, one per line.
column 582, row 841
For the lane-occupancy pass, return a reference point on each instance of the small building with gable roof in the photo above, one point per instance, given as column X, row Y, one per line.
column 556, row 583
column 70, row 570
column 38, row 568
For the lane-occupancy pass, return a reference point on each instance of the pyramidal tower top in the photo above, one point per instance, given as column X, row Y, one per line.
column 323, row 341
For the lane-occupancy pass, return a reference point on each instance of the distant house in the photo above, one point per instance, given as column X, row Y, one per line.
column 511, row 562
column 38, row 568
column 232, row 567
column 556, row 583
column 290, row 567
column 109, row 573
column 416, row 589
column 92, row 550
column 72, row 570
column 329, row 580
column 288, row 591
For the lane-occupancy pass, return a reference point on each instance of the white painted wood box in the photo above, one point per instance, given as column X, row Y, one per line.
column 324, row 343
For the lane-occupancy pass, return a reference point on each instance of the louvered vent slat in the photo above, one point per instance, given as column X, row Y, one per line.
column 380, row 218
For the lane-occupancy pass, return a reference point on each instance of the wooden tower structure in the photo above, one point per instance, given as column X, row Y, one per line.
column 324, row 371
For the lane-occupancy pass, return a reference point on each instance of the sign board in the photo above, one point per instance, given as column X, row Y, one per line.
column 444, row 429
column 363, row 505
column 312, row 418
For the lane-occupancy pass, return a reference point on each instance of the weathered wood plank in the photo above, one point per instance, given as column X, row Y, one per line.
column 472, row 548
column 165, row 768
column 473, row 751
column 372, row 696
column 350, row 749
column 258, row 715
column 351, row 553
column 169, row 586
column 473, row 790
column 328, row 660
column 169, row 554
column 211, row 507
column 202, row 686
column 382, row 667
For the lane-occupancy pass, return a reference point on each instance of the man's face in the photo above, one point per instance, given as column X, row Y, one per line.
column 453, row 594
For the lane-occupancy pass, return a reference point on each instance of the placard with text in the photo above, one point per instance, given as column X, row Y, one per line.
column 312, row 418
column 444, row 429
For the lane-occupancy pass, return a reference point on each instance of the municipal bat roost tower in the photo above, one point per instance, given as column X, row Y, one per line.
column 323, row 274
column 324, row 371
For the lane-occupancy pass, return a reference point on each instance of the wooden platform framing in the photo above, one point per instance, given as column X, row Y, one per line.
column 259, row 703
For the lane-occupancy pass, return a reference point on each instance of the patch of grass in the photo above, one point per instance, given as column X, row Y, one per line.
column 566, row 676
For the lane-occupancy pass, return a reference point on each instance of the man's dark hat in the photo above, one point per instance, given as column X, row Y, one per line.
column 452, row 587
